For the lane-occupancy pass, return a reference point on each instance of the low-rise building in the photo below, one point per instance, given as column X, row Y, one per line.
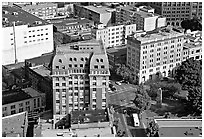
column 15, row 125
column 143, row 16
column 113, row 35
column 23, row 35
column 179, row 127
column 117, row 56
column 26, row 99
column 38, row 71
column 98, row 14
column 43, row 10
column 193, row 45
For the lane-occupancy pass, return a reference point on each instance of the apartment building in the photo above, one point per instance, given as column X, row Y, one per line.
column 114, row 35
column 143, row 16
column 43, row 10
column 98, row 14
column 26, row 99
column 23, row 35
column 154, row 54
column 176, row 12
column 193, row 46
column 80, row 75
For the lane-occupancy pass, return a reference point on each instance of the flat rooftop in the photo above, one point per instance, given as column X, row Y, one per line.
column 70, row 22
column 99, row 9
column 89, row 116
column 14, row 123
column 158, row 35
column 119, row 51
column 19, row 95
column 37, row 5
column 15, row 14
column 9, row 95
column 87, row 46
column 40, row 60
column 143, row 14
column 179, row 127
column 42, row 70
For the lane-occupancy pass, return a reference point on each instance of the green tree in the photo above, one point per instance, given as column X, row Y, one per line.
column 142, row 100
column 195, row 100
column 152, row 129
column 192, row 24
column 189, row 73
column 126, row 73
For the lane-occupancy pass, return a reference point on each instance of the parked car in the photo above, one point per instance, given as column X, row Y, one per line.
column 118, row 83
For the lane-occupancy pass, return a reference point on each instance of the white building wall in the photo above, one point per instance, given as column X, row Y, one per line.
column 30, row 42
column 112, row 36
column 150, row 23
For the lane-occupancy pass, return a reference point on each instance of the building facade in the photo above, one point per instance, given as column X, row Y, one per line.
column 176, row 12
column 193, row 45
column 80, row 76
column 26, row 99
column 143, row 16
column 24, row 36
column 113, row 36
column 154, row 54
column 98, row 14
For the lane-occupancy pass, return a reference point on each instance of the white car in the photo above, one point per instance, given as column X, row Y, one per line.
column 118, row 83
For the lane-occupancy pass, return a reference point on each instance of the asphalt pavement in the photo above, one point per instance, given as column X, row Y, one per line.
column 121, row 99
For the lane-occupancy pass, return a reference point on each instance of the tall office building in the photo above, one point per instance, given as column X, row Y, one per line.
column 80, row 75
column 154, row 54
column 113, row 36
column 143, row 16
column 24, row 35
column 175, row 12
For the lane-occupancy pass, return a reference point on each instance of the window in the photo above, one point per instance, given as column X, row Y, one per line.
column 27, row 103
column 57, row 67
column 13, row 112
column 60, row 60
column 13, row 106
column 101, row 60
column 21, row 105
column 94, row 89
column 102, row 66
column 4, row 108
column 20, row 109
column 81, row 65
column 96, row 66
column 94, row 83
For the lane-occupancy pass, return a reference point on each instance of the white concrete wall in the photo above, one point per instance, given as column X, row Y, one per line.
column 30, row 42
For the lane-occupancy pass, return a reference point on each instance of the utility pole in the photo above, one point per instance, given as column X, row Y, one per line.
column 16, row 60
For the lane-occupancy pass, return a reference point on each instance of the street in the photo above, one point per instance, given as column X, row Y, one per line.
column 121, row 100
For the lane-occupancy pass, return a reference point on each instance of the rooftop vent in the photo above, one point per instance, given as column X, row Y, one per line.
column 5, row 12
column 14, row 13
column 38, row 22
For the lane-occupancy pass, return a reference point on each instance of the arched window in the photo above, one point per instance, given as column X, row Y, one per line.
column 75, row 59
column 60, row 60
column 70, row 59
column 101, row 60
column 94, row 77
column 97, row 60
column 82, row 59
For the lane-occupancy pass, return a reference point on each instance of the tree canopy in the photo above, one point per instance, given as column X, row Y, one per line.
column 142, row 100
column 126, row 73
column 153, row 129
column 192, row 24
column 195, row 100
column 189, row 73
